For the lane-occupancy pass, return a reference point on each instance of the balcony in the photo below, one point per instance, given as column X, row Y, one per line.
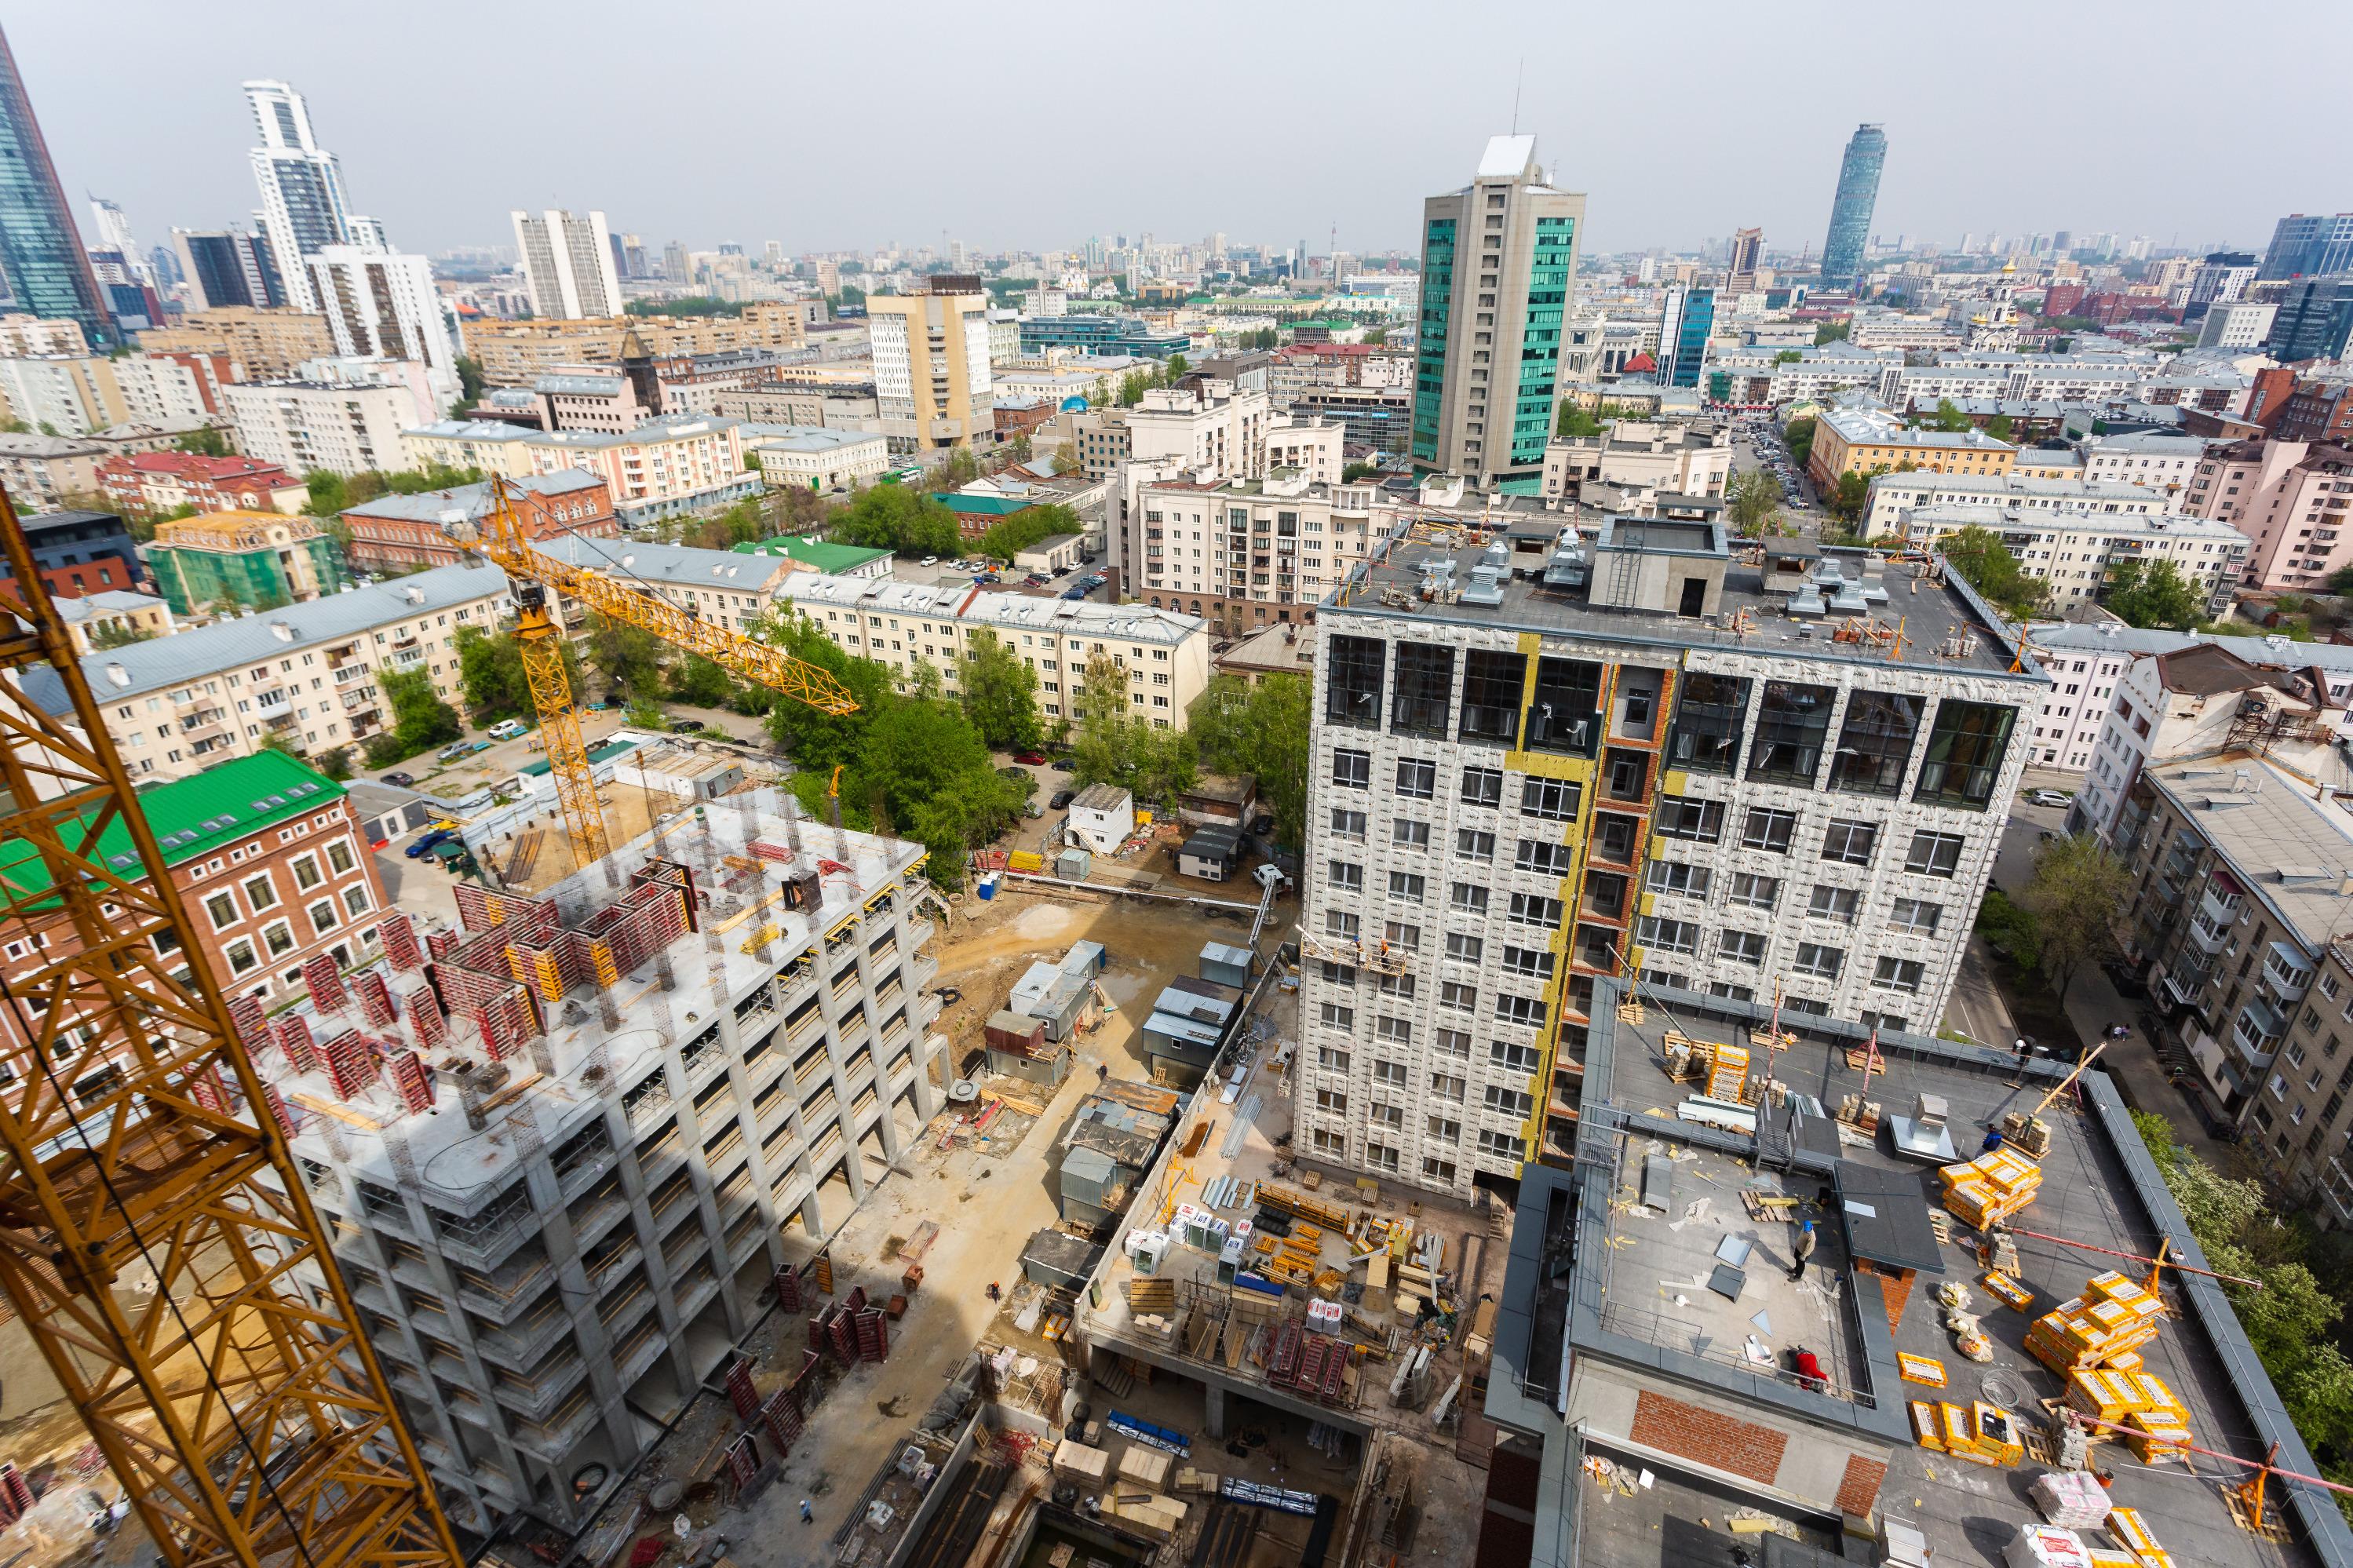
column 2221, row 905
column 2184, row 984
column 2256, row 1032
column 2287, row 972
column 2206, row 938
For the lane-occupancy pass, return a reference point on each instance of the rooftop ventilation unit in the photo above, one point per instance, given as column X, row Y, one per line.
column 1486, row 584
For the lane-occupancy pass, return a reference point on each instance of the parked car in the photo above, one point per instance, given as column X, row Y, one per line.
column 685, row 726
column 507, row 728
column 2047, row 797
column 1262, row 824
column 425, row 845
column 1064, row 764
column 1030, row 759
column 403, row 780
column 1074, row 593
column 454, row 749
column 930, row 560
column 1062, row 797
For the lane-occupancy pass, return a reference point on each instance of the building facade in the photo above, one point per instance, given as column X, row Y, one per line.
column 1524, row 782
column 44, row 473
column 400, row 533
column 266, row 345
column 110, row 617
column 670, row 465
column 148, row 484
column 1848, row 240
column 78, row 395
column 226, row 267
column 2014, row 493
column 49, row 273
column 2291, row 500
column 2309, row 246
column 2078, row 553
column 1857, row 441
column 517, row 353
column 383, row 305
column 81, row 552
column 930, row 368
column 805, row 458
column 319, row 427
column 253, row 559
column 1642, row 460
column 567, row 264
column 302, row 186
column 1243, row 553
column 2315, row 321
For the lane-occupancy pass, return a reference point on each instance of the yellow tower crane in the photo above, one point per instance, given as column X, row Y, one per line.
column 501, row 540
column 154, row 1234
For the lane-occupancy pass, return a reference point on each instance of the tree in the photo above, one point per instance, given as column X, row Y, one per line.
column 1799, row 436
column 206, row 442
column 1261, row 731
column 628, row 658
column 818, row 740
column 114, row 634
column 1983, row 561
column 490, row 674
column 1115, row 746
column 1377, row 336
column 1752, row 501
column 2076, row 895
column 335, row 762
column 959, row 468
column 2000, row 426
column 1017, row 534
column 1831, row 333
column 2143, row 593
column 1355, row 471
column 699, row 683
column 899, row 519
column 2011, row 929
column 1948, row 416
column 421, row 720
column 1788, row 356
column 644, row 713
column 1845, row 500
column 1000, row 695
column 1178, row 366
column 1577, row 422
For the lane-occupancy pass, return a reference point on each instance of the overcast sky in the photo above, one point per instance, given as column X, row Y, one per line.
column 1034, row 126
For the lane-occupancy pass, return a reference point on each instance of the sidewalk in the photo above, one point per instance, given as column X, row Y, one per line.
column 2093, row 1004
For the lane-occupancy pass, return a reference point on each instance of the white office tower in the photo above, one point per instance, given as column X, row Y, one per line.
column 302, row 207
column 567, row 262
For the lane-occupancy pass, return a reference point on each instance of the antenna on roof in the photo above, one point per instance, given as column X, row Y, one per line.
column 1518, row 76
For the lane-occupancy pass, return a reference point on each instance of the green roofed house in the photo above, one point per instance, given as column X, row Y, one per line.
column 823, row 555
column 977, row 514
column 269, row 857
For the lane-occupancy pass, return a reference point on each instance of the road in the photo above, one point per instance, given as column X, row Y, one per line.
column 1767, row 446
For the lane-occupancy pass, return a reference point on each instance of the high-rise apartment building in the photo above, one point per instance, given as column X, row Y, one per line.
column 568, row 264
column 43, row 269
column 930, row 365
column 2315, row 320
column 1498, row 270
column 1683, row 331
column 302, row 205
column 228, row 267
column 1747, row 254
column 383, row 305
column 1636, row 757
column 2222, row 277
column 2305, row 247
column 1850, row 208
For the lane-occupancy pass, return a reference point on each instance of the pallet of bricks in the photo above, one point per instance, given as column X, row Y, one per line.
column 2103, row 1327
column 1990, row 1188
column 1727, row 1073
column 2154, row 1423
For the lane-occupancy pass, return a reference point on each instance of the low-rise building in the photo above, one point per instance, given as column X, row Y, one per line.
column 2150, row 458
column 1053, row 555
column 79, row 552
column 148, row 484
column 267, row 344
column 669, row 465
column 44, row 473
column 2236, row 324
column 726, row 587
column 400, row 533
column 1242, row 552
column 809, row 457
column 822, row 555
column 113, row 617
column 2013, row 494
column 904, row 625
column 2291, row 498
column 1857, row 441
column 321, row 427
column 1642, row 459
column 2077, row 552
column 248, row 559
column 304, row 674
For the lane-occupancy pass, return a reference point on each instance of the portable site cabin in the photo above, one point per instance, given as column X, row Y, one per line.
column 1212, row 854
column 1224, row 965
column 1101, row 817
column 1114, row 1137
column 1188, row 1022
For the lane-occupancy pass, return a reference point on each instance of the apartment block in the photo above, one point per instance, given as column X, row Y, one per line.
column 321, row 427
column 269, row 344
column 148, row 484
column 1245, row 554
column 673, row 464
column 1856, row 441
column 77, row 394
column 1891, row 495
column 567, row 264
column 80, row 553
column 383, row 304
column 304, row 674
column 2290, row 498
column 930, row 365
column 1560, row 760
column 2078, row 551
column 904, row 624
column 516, row 353
column 557, row 1231
column 43, row 472
column 227, row 560
column 113, row 612
column 1641, row 464
column 31, row 337
column 2308, row 1155
column 2150, row 458
column 398, row 533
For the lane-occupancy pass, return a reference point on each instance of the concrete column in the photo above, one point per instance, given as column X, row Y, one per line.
column 1213, row 1410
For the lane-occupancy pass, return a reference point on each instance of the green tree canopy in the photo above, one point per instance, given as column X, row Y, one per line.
column 421, row 720
column 2145, row 594
column 2076, row 895
column 624, row 656
column 206, row 442
column 1983, row 561
column 1000, row 695
column 1948, row 416
column 699, row 683
column 1261, row 731
column 490, row 674
column 1799, row 435
column 899, row 519
column 1788, row 356
column 1831, row 333
column 1752, row 501
column 1116, row 744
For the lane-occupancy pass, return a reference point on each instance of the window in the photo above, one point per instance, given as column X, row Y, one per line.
column 1401, row 986
column 1490, row 696
column 1447, row 1085
column 1730, row 992
column 241, row 956
column 1348, row 823
column 1457, row 997
column 1464, row 948
column 222, row 908
column 1515, row 1059
column 1346, row 875
column 1416, row 779
column 1352, row 770
column 1335, row 1017
column 1342, row 924
column 1353, row 694
column 1389, row 1072
column 1523, row 1010
column 1564, row 713
column 1404, row 887
column 1553, row 858
column 1390, row 1116
column 1338, row 974
column 1333, row 1143
column 1453, row 1043
column 1400, row 933
column 1701, row 821
column 1380, row 1157
column 1898, row 974
column 260, row 893
column 278, row 936
column 1934, row 854
column 307, row 875
column 1436, row 1170
column 1916, row 917
column 339, row 856
column 1468, row 898
column 1768, row 829
column 1674, row 877
column 1554, row 799
column 1709, row 714
column 1474, row 844
column 1754, row 891
column 1413, row 835
column 1791, row 722
column 1500, row 1145
column 1425, row 682
column 1531, row 909
column 1332, row 1101
column 1823, row 962
column 1661, row 934
column 1741, row 946
column 1830, row 903
column 1510, row 1101
column 1330, row 1060
column 1874, row 742
column 1392, row 1031
column 1483, row 786
column 1964, row 752
column 1850, row 843
column 355, row 900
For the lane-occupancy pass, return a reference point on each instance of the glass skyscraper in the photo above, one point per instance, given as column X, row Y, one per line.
column 2305, row 247
column 1850, row 210
column 43, row 269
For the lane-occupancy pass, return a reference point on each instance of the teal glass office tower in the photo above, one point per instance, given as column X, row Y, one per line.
column 1850, row 210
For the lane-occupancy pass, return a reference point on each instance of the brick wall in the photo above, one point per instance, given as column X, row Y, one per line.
column 1859, row 1487
column 1711, row 1438
column 1895, row 1285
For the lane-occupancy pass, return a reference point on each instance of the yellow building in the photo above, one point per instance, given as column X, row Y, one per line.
column 931, row 376
column 268, row 344
column 516, row 353
column 1853, row 441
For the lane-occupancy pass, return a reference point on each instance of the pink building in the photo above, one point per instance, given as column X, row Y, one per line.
column 2292, row 499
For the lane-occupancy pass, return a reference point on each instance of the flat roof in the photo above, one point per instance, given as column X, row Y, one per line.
column 2290, row 850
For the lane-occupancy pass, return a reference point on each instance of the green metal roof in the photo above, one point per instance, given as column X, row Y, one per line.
column 191, row 817
column 818, row 553
column 989, row 506
column 595, row 754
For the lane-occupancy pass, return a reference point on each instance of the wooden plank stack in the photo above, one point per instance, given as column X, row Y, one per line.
column 1991, row 1187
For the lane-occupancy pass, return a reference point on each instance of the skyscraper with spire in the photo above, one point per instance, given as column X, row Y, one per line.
column 1850, row 208
column 43, row 270
column 302, row 205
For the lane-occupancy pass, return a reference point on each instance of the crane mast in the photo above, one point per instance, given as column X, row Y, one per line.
column 501, row 540
column 238, row 1400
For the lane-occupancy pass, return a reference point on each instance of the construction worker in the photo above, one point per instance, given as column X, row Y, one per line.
column 808, row 1514
column 1103, row 1072
column 1804, row 1250
column 994, row 1293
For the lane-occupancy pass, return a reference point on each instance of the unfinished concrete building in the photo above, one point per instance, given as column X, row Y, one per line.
column 566, row 1148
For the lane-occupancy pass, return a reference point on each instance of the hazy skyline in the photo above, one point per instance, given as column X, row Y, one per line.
column 746, row 124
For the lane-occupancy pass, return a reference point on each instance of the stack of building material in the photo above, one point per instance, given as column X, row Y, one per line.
column 1158, row 1516
column 2104, row 1326
column 293, row 1035
column 1146, row 1467
column 326, row 984
column 1083, row 1466
column 277, row 1103
column 441, row 944
column 2156, row 1423
column 410, row 1078
column 1990, row 1188
column 2132, row 1534
column 763, row 849
column 2073, row 1500
column 376, row 998
column 399, row 938
column 205, row 1088
column 1982, row 1434
column 425, row 1017
column 350, row 1064
column 2046, row 1546
column 1727, row 1073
